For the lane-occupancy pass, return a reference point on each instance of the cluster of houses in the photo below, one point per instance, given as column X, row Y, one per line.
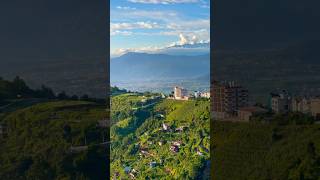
column 167, row 128
column 283, row 102
column 230, row 102
column 174, row 147
column 180, row 93
column 130, row 171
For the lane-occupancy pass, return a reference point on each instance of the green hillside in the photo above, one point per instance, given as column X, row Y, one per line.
column 140, row 143
column 265, row 151
column 54, row 140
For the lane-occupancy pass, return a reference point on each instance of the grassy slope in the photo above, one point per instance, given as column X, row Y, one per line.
column 40, row 136
column 262, row 151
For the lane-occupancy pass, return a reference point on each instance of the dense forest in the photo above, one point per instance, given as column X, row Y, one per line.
column 44, row 135
column 19, row 89
column 288, row 147
column 155, row 138
column 114, row 90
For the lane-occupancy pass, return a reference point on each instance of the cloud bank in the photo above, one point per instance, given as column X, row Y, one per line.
column 187, row 44
column 163, row 1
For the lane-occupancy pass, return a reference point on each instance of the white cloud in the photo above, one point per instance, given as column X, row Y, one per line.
column 163, row 1
column 151, row 15
column 205, row 4
column 187, row 25
column 150, row 49
column 200, row 28
column 125, row 8
column 184, row 39
column 123, row 33
column 189, row 39
column 135, row 25
column 166, row 22
column 189, row 36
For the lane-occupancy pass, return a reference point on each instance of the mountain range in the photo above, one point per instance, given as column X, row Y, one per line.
column 146, row 67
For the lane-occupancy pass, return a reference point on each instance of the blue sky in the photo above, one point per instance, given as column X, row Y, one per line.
column 153, row 25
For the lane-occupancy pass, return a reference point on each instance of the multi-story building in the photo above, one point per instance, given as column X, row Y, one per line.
column 315, row 107
column 281, row 102
column 301, row 104
column 205, row 95
column 180, row 93
column 227, row 98
column 197, row 94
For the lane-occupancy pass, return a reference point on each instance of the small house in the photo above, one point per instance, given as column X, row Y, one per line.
column 177, row 143
column 153, row 164
column 174, row 148
column 165, row 127
column 132, row 175
column 180, row 129
column 245, row 113
column 127, row 169
column 199, row 152
column 160, row 143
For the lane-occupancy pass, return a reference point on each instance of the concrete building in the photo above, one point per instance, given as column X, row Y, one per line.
column 300, row 104
column 245, row 113
column 153, row 164
column 315, row 107
column 227, row 98
column 281, row 102
column 197, row 94
column 165, row 127
column 205, row 94
column 180, row 93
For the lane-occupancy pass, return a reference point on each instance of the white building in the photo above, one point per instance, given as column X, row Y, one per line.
column 315, row 107
column 197, row 94
column 165, row 127
column 180, row 93
column 281, row 102
column 205, row 95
